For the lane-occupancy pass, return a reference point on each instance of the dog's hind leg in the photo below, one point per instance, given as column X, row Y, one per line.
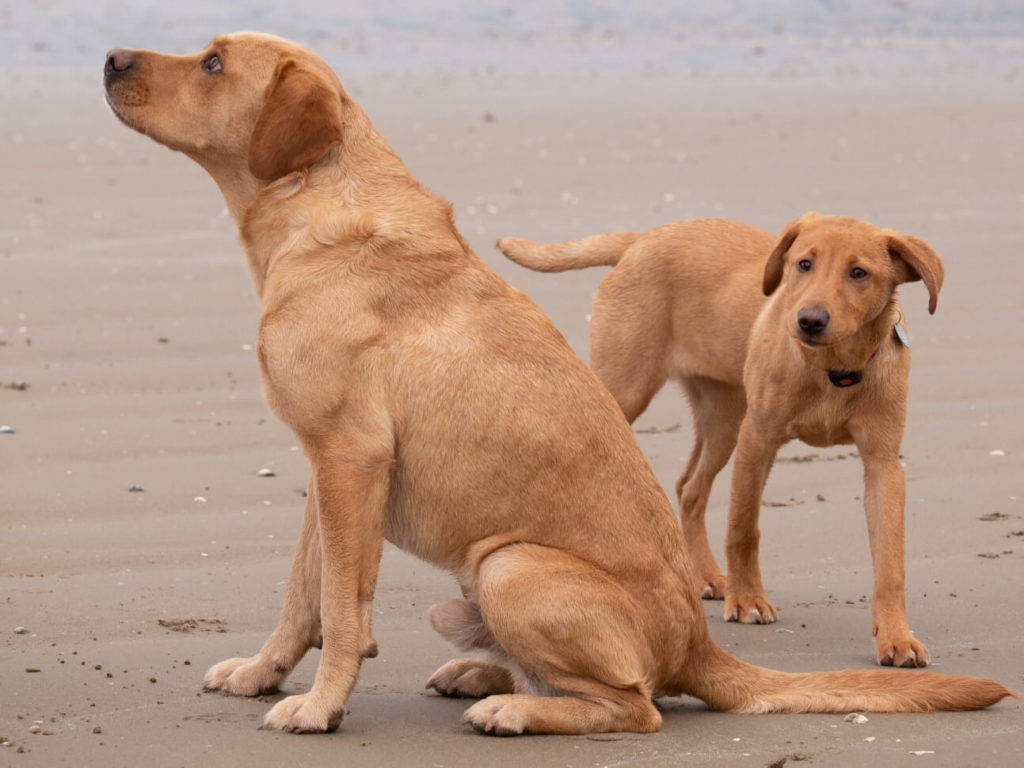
column 572, row 630
column 460, row 622
column 717, row 413
column 471, row 678
column 297, row 630
column 627, row 353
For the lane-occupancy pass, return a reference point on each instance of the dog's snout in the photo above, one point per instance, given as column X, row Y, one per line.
column 119, row 61
column 812, row 320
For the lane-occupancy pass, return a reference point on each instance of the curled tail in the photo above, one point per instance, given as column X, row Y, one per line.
column 593, row 251
column 731, row 685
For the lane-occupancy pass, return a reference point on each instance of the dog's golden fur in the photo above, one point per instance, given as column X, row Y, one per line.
column 440, row 409
column 716, row 306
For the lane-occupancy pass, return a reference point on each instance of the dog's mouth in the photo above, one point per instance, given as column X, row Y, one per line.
column 811, row 341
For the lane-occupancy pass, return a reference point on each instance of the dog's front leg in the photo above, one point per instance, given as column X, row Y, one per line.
column 884, row 496
column 296, row 631
column 351, row 499
column 745, row 598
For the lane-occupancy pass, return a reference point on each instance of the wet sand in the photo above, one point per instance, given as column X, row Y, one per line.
column 127, row 311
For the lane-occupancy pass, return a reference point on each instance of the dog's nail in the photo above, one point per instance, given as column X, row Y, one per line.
column 910, row 661
column 707, row 593
column 754, row 617
column 886, row 661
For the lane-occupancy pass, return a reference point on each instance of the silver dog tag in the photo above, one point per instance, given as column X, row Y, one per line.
column 901, row 335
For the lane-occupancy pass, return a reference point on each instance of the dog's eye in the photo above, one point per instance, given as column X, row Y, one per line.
column 804, row 265
column 858, row 274
column 212, row 65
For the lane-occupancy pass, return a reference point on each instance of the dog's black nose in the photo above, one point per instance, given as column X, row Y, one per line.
column 812, row 320
column 119, row 61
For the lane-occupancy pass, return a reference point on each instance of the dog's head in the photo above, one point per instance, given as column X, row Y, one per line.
column 837, row 274
column 246, row 104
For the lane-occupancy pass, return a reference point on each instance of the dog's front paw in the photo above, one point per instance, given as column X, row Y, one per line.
column 497, row 715
column 304, row 713
column 470, row 678
column 244, row 677
column 900, row 650
column 749, row 609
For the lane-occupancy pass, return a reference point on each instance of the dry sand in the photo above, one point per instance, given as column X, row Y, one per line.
column 126, row 308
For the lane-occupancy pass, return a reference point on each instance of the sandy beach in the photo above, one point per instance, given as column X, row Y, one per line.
column 127, row 325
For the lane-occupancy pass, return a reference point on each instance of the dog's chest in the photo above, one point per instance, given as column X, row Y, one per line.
column 821, row 422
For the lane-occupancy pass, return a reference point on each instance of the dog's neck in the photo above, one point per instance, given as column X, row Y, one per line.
column 342, row 196
column 854, row 353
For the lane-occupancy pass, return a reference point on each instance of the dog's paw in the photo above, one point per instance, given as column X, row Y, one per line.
column 369, row 649
column 893, row 650
column 497, row 715
column 713, row 586
column 244, row 677
column 304, row 713
column 470, row 678
column 750, row 609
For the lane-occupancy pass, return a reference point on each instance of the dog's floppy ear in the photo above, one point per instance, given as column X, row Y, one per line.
column 914, row 260
column 773, row 268
column 298, row 124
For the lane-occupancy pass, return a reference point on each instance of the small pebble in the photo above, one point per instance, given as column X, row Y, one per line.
column 199, row 499
column 20, row 631
column 135, row 489
column 6, row 430
column 34, row 728
column 856, row 718
column 267, row 473
column 31, row 669
column 152, row 679
column 97, row 729
column 869, row 739
column 996, row 452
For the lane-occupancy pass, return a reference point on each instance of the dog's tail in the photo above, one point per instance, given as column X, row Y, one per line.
column 731, row 685
column 593, row 251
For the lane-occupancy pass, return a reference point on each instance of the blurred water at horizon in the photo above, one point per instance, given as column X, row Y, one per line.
column 929, row 38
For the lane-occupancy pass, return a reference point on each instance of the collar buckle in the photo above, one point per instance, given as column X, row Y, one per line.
column 844, row 378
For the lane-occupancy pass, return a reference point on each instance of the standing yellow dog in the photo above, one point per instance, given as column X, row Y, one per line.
column 440, row 409
column 772, row 338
